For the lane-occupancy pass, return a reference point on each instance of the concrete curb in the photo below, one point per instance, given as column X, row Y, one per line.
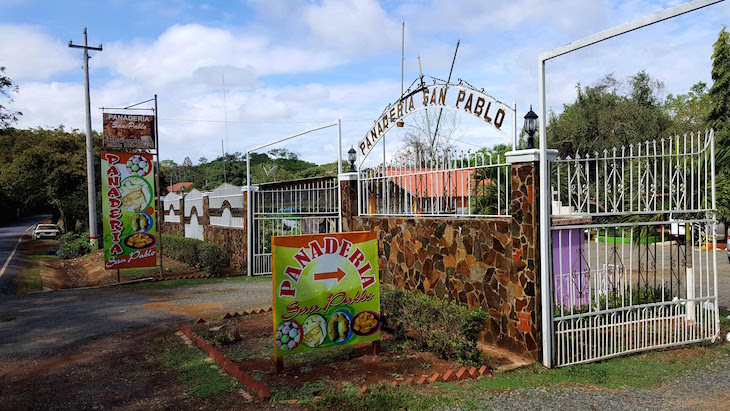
column 242, row 376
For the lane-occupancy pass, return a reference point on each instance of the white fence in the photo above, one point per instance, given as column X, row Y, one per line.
column 233, row 197
column 194, row 200
column 171, row 200
column 620, row 283
column 449, row 183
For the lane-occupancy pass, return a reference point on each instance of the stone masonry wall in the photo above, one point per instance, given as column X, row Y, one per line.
column 489, row 263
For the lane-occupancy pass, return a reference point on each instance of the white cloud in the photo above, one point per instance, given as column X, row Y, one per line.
column 31, row 54
column 353, row 27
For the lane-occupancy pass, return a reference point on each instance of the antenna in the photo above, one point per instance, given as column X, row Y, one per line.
column 436, row 132
column 225, row 109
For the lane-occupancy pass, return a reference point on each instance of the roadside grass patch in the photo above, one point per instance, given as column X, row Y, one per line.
column 200, row 281
column 196, row 372
column 41, row 257
column 640, row 371
column 31, row 280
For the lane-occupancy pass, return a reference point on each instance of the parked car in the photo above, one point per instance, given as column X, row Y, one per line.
column 46, row 231
column 727, row 246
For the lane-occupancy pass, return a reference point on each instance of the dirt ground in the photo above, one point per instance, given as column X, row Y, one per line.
column 114, row 372
column 88, row 270
column 354, row 364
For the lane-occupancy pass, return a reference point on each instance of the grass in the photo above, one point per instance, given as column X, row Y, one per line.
column 201, row 281
column 195, row 371
column 640, row 371
column 31, row 280
column 42, row 257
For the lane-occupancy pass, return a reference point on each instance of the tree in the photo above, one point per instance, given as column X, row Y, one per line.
column 609, row 114
column 689, row 111
column 7, row 117
column 44, row 170
column 422, row 137
column 718, row 117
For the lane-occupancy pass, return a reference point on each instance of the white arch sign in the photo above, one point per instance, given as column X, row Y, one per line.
column 438, row 95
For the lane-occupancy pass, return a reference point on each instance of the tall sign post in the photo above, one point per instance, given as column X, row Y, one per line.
column 90, row 180
column 130, row 185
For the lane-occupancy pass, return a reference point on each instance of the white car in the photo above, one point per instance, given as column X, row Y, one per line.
column 46, row 231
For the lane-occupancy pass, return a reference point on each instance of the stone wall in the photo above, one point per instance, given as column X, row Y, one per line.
column 483, row 262
column 232, row 239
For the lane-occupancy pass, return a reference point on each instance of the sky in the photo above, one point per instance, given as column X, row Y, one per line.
column 234, row 75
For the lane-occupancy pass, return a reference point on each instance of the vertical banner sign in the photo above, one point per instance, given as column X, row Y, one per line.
column 130, row 230
column 326, row 291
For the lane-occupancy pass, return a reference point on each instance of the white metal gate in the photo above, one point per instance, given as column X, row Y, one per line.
column 305, row 206
column 633, row 240
column 297, row 207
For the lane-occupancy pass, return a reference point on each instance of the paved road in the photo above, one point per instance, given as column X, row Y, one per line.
column 9, row 236
column 46, row 323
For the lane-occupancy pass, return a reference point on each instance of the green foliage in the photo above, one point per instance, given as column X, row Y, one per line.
column 231, row 168
column 611, row 113
column 719, row 95
column 7, row 117
column 48, row 166
column 206, row 256
column 73, row 245
column 449, row 329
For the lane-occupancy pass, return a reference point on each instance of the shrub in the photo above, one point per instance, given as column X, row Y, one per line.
column 206, row 256
column 449, row 329
column 73, row 245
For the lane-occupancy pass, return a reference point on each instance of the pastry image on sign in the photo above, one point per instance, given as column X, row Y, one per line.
column 288, row 335
column 314, row 330
column 338, row 327
column 365, row 323
column 135, row 194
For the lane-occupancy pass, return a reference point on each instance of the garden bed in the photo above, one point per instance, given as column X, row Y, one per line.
column 248, row 342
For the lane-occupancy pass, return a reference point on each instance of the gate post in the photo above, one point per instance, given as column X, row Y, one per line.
column 348, row 209
column 525, row 198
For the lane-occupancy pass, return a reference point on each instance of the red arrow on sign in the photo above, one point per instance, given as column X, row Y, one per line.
column 335, row 275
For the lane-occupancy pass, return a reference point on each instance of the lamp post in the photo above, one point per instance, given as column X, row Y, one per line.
column 351, row 157
column 530, row 127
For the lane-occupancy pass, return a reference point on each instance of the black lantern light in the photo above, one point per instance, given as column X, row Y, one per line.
column 530, row 127
column 351, row 157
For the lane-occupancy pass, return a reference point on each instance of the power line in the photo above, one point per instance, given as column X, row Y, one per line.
column 188, row 120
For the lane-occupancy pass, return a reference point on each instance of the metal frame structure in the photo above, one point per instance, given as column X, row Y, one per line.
column 545, row 260
column 280, row 194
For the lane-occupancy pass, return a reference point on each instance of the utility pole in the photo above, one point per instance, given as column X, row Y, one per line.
column 93, row 235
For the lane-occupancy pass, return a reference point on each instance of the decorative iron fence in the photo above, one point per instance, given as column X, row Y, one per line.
column 448, row 183
column 290, row 208
column 664, row 176
column 625, row 278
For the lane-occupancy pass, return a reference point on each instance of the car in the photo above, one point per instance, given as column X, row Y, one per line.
column 46, row 231
column 727, row 247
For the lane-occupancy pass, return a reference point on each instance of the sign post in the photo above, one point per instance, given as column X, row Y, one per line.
column 326, row 292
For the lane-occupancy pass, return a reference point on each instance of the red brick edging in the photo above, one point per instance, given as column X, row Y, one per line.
column 258, row 387
column 263, row 391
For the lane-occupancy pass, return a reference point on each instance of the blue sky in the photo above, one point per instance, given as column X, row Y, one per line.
column 290, row 65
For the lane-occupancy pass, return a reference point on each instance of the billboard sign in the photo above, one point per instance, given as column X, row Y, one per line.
column 326, row 291
column 128, row 207
column 129, row 131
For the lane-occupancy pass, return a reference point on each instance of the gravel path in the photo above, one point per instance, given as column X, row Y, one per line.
column 700, row 390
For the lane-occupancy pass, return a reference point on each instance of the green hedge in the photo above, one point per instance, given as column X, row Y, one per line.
column 206, row 256
column 449, row 329
column 73, row 245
